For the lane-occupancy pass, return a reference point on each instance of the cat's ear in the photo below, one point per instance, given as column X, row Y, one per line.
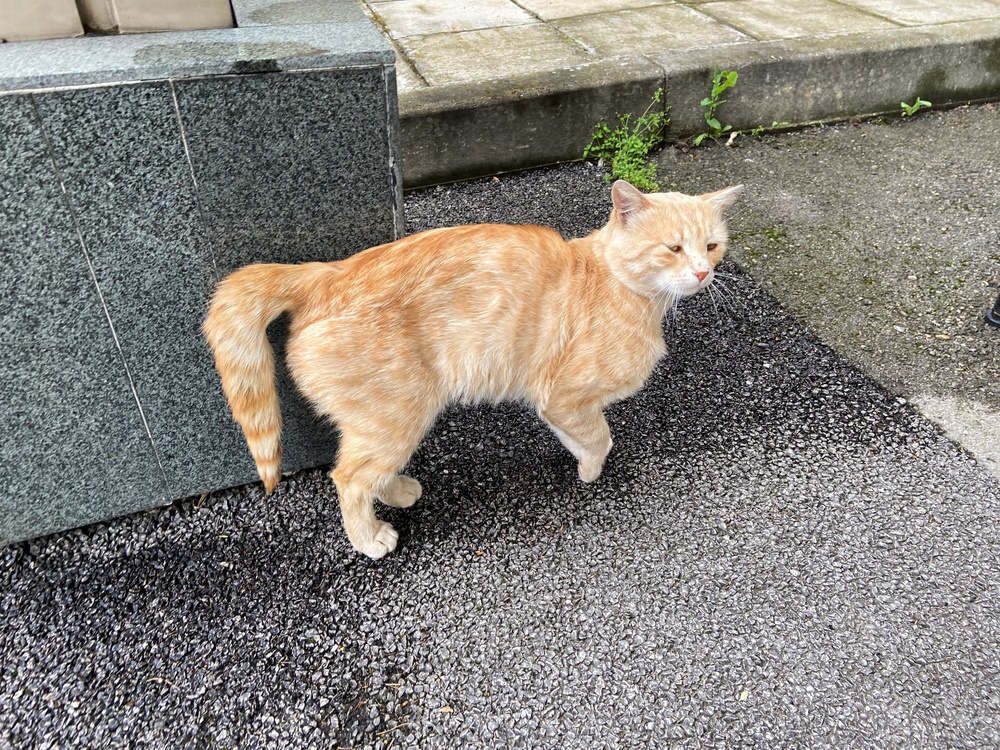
column 723, row 199
column 628, row 201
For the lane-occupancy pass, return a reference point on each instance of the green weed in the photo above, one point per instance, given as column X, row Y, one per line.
column 911, row 109
column 721, row 81
column 758, row 131
column 628, row 147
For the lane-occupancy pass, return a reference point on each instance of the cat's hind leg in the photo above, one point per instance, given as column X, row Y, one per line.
column 368, row 467
column 401, row 492
column 583, row 431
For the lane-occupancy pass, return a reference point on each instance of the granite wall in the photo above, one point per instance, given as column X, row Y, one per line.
column 136, row 173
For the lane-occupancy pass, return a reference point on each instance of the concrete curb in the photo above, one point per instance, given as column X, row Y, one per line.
column 469, row 130
column 474, row 129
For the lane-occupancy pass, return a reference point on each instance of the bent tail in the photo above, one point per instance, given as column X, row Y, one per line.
column 243, row 306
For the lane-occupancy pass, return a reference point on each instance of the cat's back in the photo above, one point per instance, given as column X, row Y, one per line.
column 463, row 263
column 484, row 308
column 462, row 248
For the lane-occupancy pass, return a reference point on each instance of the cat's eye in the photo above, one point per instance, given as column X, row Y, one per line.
column 676, row 249
column 712, row 247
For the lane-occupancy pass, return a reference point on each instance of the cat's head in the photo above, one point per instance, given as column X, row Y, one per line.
column 666, row 244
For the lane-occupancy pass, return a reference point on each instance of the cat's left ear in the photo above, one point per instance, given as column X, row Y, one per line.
column 723, row 199
column 628, row 201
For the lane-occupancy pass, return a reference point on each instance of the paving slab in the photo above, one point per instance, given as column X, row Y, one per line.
column 474, row 56
column 636, row 31
column 789, row 19
column 420, row 17
column 549, row 10
column 923, row 12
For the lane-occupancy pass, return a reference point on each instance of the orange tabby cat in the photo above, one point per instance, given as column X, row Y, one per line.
column 381, row 341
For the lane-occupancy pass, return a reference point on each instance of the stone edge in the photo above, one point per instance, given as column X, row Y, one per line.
column 100, row 60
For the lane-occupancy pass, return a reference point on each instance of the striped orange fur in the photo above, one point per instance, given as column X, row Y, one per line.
column 380, row 342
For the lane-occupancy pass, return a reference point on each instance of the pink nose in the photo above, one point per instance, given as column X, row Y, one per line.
column 701, row 275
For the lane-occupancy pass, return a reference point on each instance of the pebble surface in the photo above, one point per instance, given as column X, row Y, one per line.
column 779, row 554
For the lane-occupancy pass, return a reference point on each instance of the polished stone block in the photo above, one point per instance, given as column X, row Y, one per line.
column 73, row 447
column 137, row 173
column 154, row 264
column 291, row 167
column 177, row 54
column 294, row 12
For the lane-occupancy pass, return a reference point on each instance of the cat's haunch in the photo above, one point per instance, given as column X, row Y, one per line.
column 380, row 342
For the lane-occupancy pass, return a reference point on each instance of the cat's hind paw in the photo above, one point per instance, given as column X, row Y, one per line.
column 589, row 471
column 381, row 544
column 402, row 492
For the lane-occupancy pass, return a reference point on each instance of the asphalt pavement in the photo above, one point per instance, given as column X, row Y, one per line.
column 781, row 553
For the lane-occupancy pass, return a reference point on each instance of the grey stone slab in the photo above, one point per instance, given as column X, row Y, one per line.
column 121, row 154
column 422, row 17
column 285, row 12
column 292, row 168
column 665, row 27
column 73, row 448
column 39, row 19
column 548, row 10
column 143, row 57
column 788, row 19
column 920, row 12
column 492, row 53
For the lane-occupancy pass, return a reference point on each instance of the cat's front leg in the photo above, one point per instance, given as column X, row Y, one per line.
column 584, row 432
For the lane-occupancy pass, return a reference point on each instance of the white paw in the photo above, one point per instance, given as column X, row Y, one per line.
column 382, row 543
column 402, row 492
column 590, row 470
column 590, row 466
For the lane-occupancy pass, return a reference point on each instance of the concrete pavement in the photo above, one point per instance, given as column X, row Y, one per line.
column 494, row 85
column 883, row 238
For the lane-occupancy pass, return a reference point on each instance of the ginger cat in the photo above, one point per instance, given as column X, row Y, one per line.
column 381, row 341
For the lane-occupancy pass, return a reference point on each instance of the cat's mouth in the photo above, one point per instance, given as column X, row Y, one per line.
column 691, row 288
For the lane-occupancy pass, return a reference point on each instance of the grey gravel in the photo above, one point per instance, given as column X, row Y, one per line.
column 779, row 554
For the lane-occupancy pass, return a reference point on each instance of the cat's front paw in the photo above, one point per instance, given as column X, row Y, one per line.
column 382, row 542
column 402, row 492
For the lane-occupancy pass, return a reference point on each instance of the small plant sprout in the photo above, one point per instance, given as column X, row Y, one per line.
column 628, row 149
column 911, row 109
column 721, row 80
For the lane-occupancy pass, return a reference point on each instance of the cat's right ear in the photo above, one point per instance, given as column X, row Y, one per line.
column 628, row 201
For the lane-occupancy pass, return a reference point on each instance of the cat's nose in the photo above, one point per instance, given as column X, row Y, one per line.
column 701, row 275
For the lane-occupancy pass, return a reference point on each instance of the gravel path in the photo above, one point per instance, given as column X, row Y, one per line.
column 780, row 554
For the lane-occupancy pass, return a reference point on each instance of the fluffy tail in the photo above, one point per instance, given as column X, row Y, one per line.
column 243, row 305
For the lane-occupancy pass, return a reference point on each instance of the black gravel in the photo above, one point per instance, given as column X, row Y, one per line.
column 780, row 554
